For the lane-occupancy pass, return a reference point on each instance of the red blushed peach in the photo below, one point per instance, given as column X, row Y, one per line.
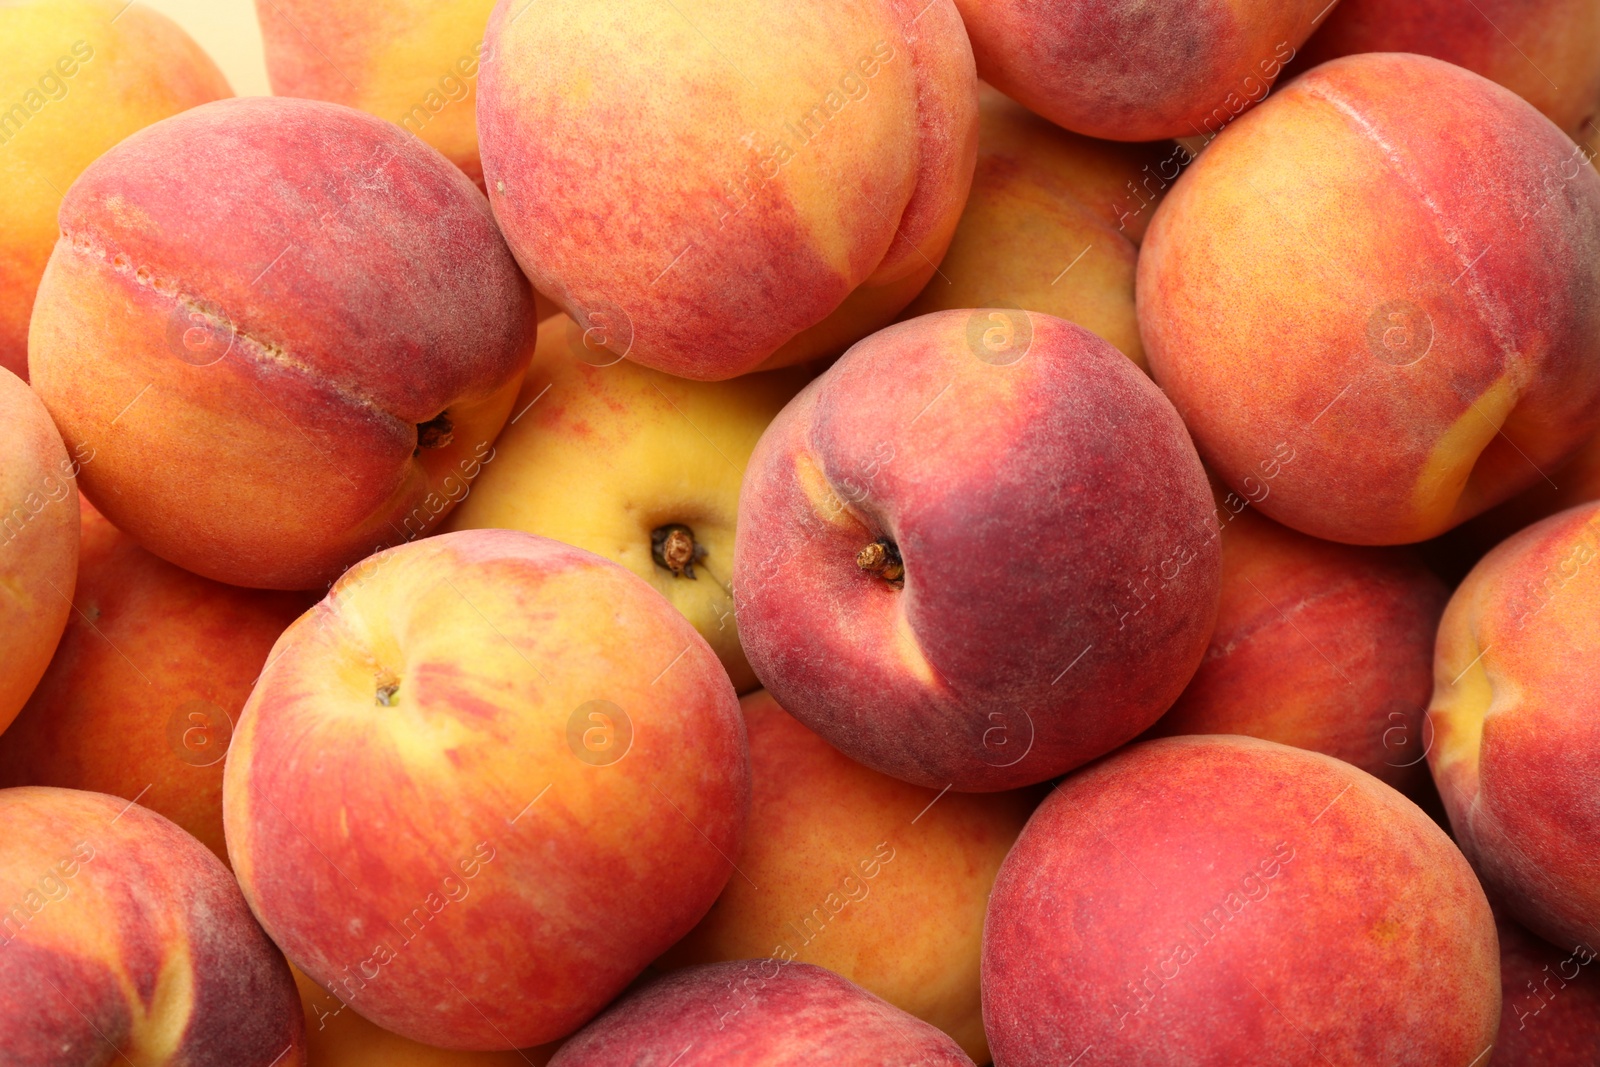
column 141, row 697
column 977, row 552
column 337, row 1037
column 289, row 331
column 413, row 62
column 882, row 882
column 122, row 940
column 1545, row 51
column 1551, row 1016
column 38, row 541
column 1516, row 749
column 482, row 785
column 1577, row 481
column 1128, row 70
column 747, row 184
column 1370, row 273
column 1242, row 901
column 1053, row 224
column 1318, row 645
column 756, row 1013
column 77, row 76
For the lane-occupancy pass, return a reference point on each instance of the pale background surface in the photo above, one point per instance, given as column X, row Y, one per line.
column 228, row 31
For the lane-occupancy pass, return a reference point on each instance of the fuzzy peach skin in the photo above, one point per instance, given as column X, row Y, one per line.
column 337, row 1037
column 77, row 76
column 1243, row 902
column 482, row 785
column 1551, row 1014
column 1053, row 224
column 1516, row 751
column 141, row 697
column 1370, row 271
column 38, row 541
column 1128, row 70
column 1545, row 51
column 1321, row 646
column 1577, row 481
column 289, row 330
column 413, row 62
column 612, row 456
column 123, row 940
column 756, row 1013
column 882, row 882
column 1060, row 561
column 746, row 184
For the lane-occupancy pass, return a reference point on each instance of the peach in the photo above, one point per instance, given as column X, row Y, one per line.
column 882, row 882
column 1577, row 481
column 1053, row 224
column 38, row 541
column 482, row 785
column 1245, row 902
column 413, row 62
column 337, row 1037
column 1128, row 70
column 141, row 697
column 126, row 941
column 977, row 552
column 756, row 1013
column 1516, row 752
column 633, row 465
column 1551, row 1016
column 77, row 77
column 1546, row 51
column 1370, row 274
column 746, row 184
column 289, row 331
column 1318, row 645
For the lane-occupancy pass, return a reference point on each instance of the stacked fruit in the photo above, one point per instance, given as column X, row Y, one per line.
column 698, row 533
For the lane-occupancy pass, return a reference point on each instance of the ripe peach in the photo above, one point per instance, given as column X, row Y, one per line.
column 1242, row 901
column 1053, row 224
column 1577, row 481
column 977, row 552
column 1318, row 645
column 337, row 1037
column 482, row 785
column 633, row 465
column 1134, row 71
column 123, row 940
column 1370, row 272
column 141, row 697
column 413, row 62
column 747, row 183
column 289, row 330
column 882, row 882
column 1547, row 52
column 756, row 1013
column 1516, row 751
column 1551, row 1016
column 77, row 77
column 38, row 541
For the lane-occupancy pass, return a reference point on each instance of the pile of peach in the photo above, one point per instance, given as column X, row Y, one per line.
column 611, row 532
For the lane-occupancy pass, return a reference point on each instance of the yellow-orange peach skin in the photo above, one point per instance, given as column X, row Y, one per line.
column 142, row 694
column 722, row 184
column 879, row 881
column 38, row 541
column 482, row 785
column 1374, row 271
column 123, row 940
column 76, row 77
column 412, row 62
column 1053, row 224
column 617, row 458
column 1517, row 747
column 1129, row 70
